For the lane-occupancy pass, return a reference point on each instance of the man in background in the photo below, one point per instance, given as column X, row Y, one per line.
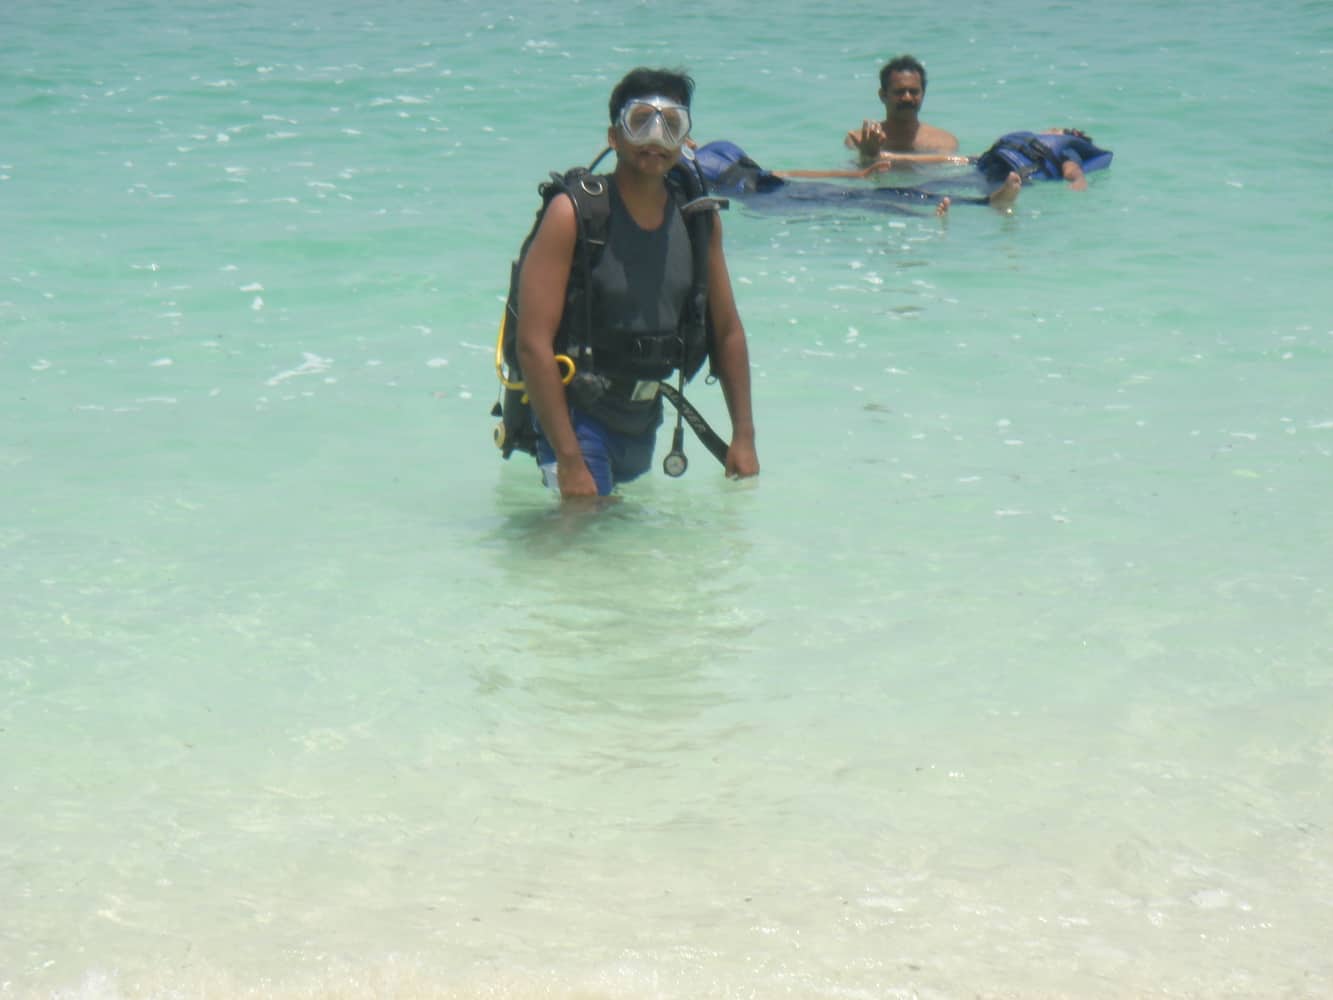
column 902, row 88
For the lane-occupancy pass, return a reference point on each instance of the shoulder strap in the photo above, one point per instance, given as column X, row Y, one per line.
column 1043, row 159
column 1047, row 158
column 699, row 210
column 591, row 196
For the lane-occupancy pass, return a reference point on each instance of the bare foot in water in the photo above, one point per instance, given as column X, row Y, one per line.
column 942, row 207
column 1006, row 194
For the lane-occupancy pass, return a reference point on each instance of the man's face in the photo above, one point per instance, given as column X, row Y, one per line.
column 904, row 94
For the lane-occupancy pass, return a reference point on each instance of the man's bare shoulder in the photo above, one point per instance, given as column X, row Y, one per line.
column 930, row 139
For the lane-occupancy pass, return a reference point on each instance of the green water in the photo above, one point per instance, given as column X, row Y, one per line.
column 1011, row 676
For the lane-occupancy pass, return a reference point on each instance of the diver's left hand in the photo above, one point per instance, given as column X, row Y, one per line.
column 742, row 461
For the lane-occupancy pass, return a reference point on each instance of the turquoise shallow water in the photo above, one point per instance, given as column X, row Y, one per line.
column 1010, row 677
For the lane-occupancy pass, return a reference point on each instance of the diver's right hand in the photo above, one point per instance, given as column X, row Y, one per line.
column 575, row 480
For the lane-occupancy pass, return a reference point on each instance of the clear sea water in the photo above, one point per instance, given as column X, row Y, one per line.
column 1012, row 675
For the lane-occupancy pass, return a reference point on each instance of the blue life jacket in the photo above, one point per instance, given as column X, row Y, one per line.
column 728, row 170
column 1040, row 156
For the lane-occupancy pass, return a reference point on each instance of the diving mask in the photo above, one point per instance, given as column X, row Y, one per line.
column 657, row 120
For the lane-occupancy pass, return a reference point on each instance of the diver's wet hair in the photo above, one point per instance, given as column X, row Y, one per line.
column 643, row 82
column 902, row 64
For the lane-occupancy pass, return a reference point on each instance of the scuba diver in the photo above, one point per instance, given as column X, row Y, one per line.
column 602, row 323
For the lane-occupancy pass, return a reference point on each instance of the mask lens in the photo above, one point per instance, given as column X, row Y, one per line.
column 655, row 118
column 638, row 119
column 676, row 122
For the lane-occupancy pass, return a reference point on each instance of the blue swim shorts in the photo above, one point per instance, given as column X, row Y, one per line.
column 612, row 457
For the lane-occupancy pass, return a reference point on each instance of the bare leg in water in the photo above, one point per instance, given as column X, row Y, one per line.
column 1006, row 194
column 1001, row 198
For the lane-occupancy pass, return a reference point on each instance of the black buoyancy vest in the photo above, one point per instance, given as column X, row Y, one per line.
column 580, row 321
column 641, row 290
